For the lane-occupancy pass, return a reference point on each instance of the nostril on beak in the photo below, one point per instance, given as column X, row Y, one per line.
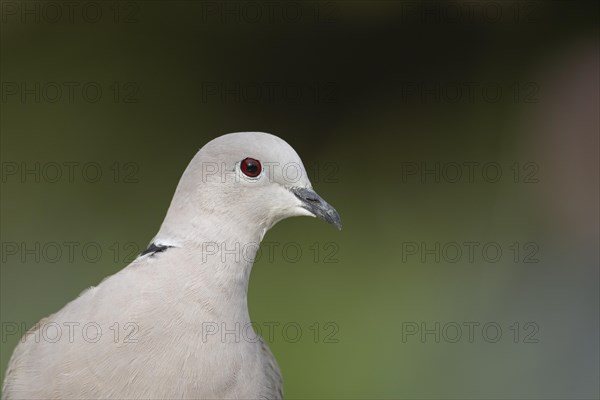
column 317, row 206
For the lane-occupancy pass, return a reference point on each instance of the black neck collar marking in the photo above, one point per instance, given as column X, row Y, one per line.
column 153, row 249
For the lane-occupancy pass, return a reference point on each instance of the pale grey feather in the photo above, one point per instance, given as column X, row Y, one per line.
column 155, row 315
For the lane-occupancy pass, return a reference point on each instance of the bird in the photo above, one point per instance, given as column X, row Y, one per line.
column 154, row 329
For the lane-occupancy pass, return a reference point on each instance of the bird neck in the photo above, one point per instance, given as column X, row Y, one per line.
column 215, row 261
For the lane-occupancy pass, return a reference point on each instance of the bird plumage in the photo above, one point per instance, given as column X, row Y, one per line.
column 157, row 328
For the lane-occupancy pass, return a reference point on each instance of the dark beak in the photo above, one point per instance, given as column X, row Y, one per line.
column 316, row 205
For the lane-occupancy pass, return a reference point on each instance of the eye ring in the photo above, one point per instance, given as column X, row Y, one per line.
column 250, row 167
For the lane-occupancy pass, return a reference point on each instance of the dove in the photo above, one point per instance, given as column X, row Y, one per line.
column 154, row 329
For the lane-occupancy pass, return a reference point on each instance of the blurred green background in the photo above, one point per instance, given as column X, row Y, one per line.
column 374, row 96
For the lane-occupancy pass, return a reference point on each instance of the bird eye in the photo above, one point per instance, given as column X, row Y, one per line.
column 250, row 167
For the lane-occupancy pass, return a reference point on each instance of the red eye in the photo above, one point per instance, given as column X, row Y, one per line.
column 250, row 167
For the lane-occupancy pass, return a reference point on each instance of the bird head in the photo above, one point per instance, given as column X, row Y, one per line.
column 251, row 178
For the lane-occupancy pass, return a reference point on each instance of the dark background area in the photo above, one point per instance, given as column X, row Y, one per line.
column 372, row 95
